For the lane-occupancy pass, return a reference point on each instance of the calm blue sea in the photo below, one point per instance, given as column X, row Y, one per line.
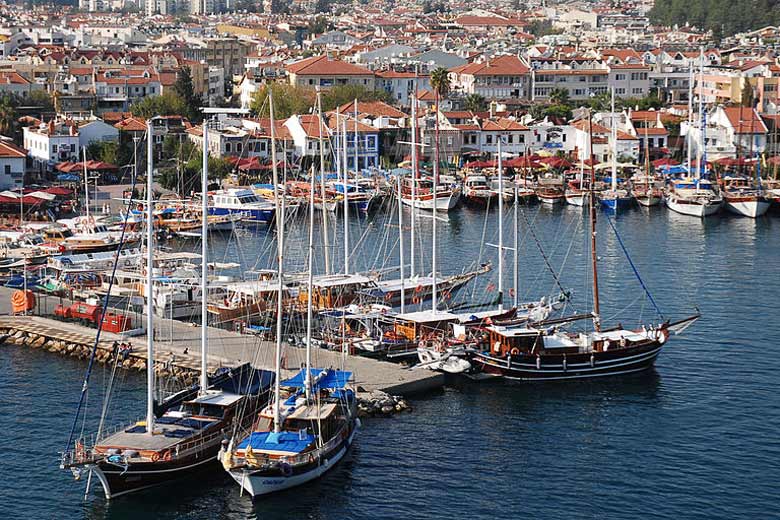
column 695, row 438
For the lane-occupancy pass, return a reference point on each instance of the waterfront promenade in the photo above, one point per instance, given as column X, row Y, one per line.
column 178, row 343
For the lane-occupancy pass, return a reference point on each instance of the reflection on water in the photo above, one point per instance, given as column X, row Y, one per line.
column 695, row 437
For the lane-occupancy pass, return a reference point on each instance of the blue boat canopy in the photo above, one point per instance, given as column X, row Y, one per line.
column 329, row 380
column 291, row 442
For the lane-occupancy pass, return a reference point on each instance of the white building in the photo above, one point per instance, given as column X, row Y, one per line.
column 729, row 132
column 96, row 131
column 48, row 144
column 12, row 164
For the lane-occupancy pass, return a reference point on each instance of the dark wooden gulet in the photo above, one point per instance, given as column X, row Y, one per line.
column 542, row 352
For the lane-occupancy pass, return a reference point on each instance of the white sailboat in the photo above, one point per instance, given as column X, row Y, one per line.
column 305, row 432
column 695, row 196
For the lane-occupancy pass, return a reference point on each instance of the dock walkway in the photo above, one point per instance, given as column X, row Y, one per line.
column 179, row 344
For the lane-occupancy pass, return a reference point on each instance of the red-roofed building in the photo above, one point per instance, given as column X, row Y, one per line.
column 12, row 164
column 503, row 77
column 324, row 72
column 14, row 83
column 731, row 132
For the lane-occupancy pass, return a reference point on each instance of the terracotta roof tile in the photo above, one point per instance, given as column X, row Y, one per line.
column 324, row 66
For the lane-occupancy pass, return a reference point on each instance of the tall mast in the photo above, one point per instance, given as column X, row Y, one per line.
column 149, row 281
column 434, row 285
column 500, row 228
column 322, row 184
column 310, row 283
column 86, row 179
column 593, row 255
column 702, row 122
column 401, row 246
column 613, row 131
column 690, row 114
column 279, row 210
column 412, row 233
column 204, row 266
column 515, row 246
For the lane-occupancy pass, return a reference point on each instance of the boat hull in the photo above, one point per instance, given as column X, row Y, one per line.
column 752, row 208
column 570, row 367
column 550, row 200
column 576, row 199
column 693, row 208
column 254, row 216
column 648, row 200
column 117, row 481
column 615, row 203
column 266, row 482
column 443, row 203
column 480, row 199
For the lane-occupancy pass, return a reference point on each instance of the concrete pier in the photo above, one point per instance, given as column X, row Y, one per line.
column 178, row 343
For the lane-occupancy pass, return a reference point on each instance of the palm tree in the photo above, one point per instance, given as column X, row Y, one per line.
column 7, row 117
column 440, row 83
column 559, row 96
column 474, row 103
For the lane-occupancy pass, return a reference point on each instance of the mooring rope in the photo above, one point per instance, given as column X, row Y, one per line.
column 633, row 267
column 92, row 355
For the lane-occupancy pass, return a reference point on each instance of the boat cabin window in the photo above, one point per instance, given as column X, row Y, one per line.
column 204, row 410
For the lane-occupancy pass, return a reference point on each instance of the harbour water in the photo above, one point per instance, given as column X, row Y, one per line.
column 695, row 438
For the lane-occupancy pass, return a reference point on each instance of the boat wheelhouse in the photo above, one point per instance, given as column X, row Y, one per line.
column 243, row 202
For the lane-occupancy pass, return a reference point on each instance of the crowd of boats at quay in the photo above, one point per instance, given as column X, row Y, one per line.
column 271, row 434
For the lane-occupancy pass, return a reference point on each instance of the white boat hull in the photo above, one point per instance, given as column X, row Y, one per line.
column 257, row 485
column 576, row 199
column 752, row 208
column 443, row 203
column 550, row 201
column 694, row 209
column 648, row 200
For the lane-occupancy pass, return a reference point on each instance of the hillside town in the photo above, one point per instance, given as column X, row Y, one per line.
column 77, row 83
column 265, row 226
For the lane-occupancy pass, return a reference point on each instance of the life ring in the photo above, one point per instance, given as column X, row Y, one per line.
column 167, row 456
column 515, row 351
column 285, row 469
column 155, row 456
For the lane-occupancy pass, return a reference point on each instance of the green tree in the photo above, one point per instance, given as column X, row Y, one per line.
column 288, row 100
column 440, row 82
column 105, row 151
column 475, row 103
column 562, row 112
column 559, row 96
column 601, row 102
column 7, row 115
column 184, row 88
column 342, row 94
column 168, row 104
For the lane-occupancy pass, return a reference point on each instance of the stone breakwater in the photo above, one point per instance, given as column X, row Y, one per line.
column 370, row 404
column 103, row 355
column 378, row 403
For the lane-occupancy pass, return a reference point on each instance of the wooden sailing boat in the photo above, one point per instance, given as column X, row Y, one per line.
column 615, row 198
column 183, row 434
column 539, row 352
column 695, row 196
column 306, row 431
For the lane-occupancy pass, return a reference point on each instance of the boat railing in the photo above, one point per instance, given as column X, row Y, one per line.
column 84, row 447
